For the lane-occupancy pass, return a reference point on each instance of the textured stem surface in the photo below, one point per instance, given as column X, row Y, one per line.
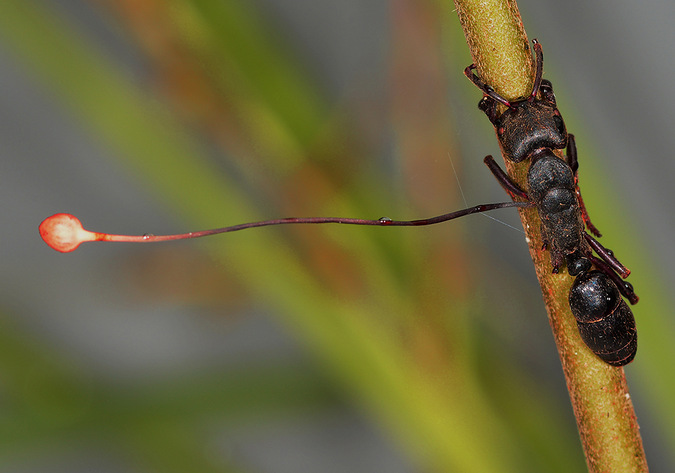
column 599, row 393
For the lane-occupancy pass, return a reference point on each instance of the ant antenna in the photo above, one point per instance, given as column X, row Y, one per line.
column 539, row 72
column 487, row 90
column 64, row 232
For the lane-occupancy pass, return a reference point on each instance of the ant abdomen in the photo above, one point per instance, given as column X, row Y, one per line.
column 605, row 321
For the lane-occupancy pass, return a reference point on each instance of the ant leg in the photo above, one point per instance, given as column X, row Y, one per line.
column 572, row 158
column 625, row 288
column 504, row 180
column 573, row 161
column 487, row 90
column 607, row 256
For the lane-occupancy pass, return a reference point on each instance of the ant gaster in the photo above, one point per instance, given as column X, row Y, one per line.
column 531, row 128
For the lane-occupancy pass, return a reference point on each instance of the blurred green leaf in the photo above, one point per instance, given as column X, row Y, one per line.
column 390, row 320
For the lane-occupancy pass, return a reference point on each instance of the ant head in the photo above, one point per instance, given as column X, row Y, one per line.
column 529, row 123
column 534, row 122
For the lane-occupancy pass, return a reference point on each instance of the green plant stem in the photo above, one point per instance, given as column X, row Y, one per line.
column 605, row 416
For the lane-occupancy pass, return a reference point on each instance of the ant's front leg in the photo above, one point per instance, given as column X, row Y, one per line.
column 504, row 179
column 573, row 161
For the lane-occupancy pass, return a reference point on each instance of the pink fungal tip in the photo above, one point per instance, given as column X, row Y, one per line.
column 64, row 232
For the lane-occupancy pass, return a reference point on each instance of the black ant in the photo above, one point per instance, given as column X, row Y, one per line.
column 530, row 128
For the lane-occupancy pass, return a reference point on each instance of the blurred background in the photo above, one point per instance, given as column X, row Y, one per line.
column 309, row 349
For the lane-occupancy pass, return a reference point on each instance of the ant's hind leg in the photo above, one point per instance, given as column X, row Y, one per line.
column 573, row 161
column 607, row 256
column 504, row 180
column 572, row 158
column 624, row 287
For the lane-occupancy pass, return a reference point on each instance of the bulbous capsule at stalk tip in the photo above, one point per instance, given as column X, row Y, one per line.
column 63, row 232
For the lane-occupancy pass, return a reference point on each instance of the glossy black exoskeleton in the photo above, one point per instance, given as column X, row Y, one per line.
column 532, row 128
column 604, row 319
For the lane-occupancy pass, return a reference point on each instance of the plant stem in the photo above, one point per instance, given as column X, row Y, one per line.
column 605, row 416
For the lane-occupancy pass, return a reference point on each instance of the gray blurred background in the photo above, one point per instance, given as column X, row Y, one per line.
column 96, row 312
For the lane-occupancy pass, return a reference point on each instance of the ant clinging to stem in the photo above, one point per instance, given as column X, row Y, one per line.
column 528, row 129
